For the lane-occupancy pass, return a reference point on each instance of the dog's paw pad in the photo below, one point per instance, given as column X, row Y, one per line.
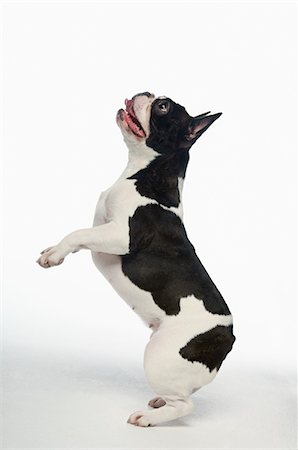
column 157, row 402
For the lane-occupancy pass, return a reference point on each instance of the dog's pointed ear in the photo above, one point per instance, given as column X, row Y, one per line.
column 198, row 125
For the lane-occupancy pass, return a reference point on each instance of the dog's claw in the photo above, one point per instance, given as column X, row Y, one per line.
column 46, row 250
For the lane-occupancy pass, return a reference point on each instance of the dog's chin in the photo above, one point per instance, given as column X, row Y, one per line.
column 130, row 126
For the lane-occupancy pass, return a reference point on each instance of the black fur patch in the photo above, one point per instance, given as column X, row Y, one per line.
column 159, row 180
column 167, row 130
column 163, row 261
column 210, row 348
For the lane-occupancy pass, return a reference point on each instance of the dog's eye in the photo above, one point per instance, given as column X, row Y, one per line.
column 163, row 107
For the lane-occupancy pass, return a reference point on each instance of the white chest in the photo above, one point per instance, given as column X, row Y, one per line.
column 119, row 203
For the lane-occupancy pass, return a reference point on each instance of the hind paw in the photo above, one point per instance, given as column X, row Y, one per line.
column 140, row 419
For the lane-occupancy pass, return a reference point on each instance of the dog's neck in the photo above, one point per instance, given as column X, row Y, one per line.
column 139, row 157
column 158, row 176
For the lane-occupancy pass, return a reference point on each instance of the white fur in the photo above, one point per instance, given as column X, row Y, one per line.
column 172, row 377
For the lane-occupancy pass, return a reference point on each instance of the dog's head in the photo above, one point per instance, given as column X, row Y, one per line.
column 161, row 124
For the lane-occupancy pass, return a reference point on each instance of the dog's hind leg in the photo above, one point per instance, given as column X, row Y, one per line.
column 173, row 379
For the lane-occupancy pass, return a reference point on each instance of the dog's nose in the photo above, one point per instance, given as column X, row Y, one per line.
column 143, row 93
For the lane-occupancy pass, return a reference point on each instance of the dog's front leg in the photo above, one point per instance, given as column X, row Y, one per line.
column 107, row 238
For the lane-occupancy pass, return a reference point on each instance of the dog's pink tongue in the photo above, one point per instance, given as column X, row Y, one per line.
column 129, row 108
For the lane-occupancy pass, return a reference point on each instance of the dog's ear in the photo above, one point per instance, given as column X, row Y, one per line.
column 198, row 125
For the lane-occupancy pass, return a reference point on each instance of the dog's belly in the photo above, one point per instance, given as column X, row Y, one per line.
column 193, row 315
column 139, row 300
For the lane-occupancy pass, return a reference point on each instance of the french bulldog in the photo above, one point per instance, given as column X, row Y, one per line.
column 139, row 243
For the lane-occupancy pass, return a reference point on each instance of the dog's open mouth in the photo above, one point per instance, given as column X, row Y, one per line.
column 129, row 116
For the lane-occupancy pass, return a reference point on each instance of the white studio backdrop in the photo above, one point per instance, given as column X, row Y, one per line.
column 67, row 69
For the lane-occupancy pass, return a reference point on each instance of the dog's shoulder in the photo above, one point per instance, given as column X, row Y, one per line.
column 122, row 198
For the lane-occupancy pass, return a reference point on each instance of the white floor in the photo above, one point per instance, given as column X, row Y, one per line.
column 69, row 402
column 73, row 372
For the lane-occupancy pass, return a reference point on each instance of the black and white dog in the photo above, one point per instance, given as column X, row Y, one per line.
column 139, row 243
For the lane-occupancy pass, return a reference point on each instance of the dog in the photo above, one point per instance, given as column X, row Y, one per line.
column 139, row 243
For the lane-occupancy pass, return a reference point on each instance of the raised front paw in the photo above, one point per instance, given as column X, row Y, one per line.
column 51, row 256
